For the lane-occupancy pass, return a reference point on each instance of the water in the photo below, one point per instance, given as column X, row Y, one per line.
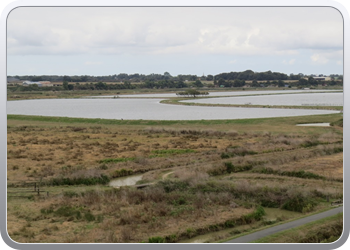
column 144, row 109
column 314, row 99
column 220, row 93
column 125, row 181
column 325, row 124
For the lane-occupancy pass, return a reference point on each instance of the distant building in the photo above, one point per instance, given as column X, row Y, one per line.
column 27, row 83
column 40, row 84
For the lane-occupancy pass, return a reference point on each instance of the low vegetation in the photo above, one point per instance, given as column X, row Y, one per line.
column 327, row 230
column 201, row 176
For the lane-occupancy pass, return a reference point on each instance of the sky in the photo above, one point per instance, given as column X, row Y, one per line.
column 193, row 40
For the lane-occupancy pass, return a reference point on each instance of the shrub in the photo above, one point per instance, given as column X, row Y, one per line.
column 89, row 216
column 229, row 167
column 171, row 238
column 171, row 185
column 116, row 160
column 70, row 194
column 156, row 239
column 298, row 203
column 254, row 216
column 122, row 172
column 66, row 211
column 102, row 179
column 46, row 210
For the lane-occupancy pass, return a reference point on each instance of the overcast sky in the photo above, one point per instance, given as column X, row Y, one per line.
column 208, row 40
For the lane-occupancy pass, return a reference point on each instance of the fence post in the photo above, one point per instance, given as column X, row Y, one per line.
column 34, row 186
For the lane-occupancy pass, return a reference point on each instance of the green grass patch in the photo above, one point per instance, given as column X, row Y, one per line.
column 122, row 172
column 116, row 160
column 103, row 180
column 277, row 121
column 299, row 174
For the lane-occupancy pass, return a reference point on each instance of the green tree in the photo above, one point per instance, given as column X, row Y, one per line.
column 198, row 83
column 210, row 77
column 280, row 83
column 65, row 85
column 192, row 93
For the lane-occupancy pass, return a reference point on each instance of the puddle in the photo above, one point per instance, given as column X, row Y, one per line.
column 125, row 181
column 325, row 124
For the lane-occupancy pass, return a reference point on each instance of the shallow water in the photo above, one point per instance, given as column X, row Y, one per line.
column 125, row 181
column 325, row 124
column 143, row 109
column 307, row 99
column 222, row 93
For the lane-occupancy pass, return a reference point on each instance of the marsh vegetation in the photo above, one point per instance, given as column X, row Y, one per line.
column 206, row 176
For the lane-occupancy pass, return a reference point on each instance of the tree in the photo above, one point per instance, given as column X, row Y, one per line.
column 312, row 81
column 303, row 81
column 167, row 75
column 221, row 82
column 198, row 83
column 191, row 93
column 67, row 78
column 210, row 77
column 255, row 84
column 65, row 85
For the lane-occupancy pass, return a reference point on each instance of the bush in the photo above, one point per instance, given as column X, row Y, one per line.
column 299, row 203
column 156, row 239
column 70, row 194
column 66, row 211
column 103, row 179
column 89, row 216
column 171, row 185
column 122, row 172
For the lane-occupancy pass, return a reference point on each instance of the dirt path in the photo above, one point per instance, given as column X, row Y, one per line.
column 166, row 175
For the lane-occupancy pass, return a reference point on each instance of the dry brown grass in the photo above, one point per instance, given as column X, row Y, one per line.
column 49, row 150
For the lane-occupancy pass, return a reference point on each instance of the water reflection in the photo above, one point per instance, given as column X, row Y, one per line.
column 125, row 181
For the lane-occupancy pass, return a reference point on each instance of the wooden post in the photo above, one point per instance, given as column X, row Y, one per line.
column 34, row 186
column 38, row 191
column 47, row 194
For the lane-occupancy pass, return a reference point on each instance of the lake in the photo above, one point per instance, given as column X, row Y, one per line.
column 222, row 93
column 314, row 99
column 145, row 109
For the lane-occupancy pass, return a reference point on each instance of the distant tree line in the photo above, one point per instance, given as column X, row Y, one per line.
column 247, row 75
column 122, row 77
column 164, row 81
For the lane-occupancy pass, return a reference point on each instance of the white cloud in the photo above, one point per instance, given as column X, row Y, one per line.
column 323, row 57
column 92, row 63
column 317, row 58
column 236, row 31
column 290, row 62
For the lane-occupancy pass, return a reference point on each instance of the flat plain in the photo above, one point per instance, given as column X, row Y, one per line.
column 222, row 176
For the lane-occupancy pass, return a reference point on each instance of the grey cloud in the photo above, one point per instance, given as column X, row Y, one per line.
column 243, row 31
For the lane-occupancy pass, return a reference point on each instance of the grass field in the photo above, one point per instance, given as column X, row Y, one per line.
column 207, row 176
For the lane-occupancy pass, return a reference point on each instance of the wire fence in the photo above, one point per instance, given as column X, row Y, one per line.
column 29, row 188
